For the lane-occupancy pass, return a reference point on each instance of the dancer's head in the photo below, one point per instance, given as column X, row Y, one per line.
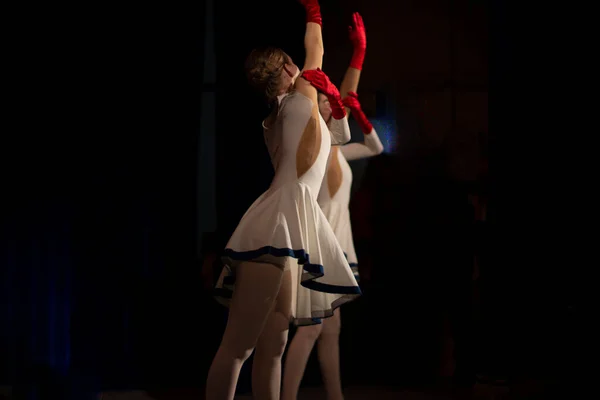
column 324, row 107
column 271, row 71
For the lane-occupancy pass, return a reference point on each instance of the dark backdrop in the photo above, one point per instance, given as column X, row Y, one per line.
column 99, row 247
column 401, row 317
column 100, row 272
column 102, row 285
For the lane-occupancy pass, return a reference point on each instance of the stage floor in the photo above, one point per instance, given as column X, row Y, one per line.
column 480, row 392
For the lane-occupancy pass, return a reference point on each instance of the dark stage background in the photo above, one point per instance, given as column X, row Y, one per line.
column 102, row 247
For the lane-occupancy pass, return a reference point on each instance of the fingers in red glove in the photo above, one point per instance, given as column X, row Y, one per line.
column 337, row 107
column 321, row 82
column 313, row 11
column 358, row 37
column 351, row 101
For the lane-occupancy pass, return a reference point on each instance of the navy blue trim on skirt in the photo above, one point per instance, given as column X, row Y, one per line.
column 314, row 270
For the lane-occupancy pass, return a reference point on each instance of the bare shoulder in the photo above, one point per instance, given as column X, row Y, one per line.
column 306, row 89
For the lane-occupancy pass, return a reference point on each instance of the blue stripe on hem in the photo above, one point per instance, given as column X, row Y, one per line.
column 301, row 255
column 351, row 264
column 326, row 288
column 315, row 270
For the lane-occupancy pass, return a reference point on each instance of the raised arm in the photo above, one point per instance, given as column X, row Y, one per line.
column 313, row 44
column 372, row 145
column 313, row 38
column 358, row 37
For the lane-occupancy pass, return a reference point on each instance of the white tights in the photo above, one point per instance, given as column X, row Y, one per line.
column 259, row 317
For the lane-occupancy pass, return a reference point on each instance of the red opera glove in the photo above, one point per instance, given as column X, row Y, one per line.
column 321, row 82
column 353, row 104
column 313, row 11
column 358, row 37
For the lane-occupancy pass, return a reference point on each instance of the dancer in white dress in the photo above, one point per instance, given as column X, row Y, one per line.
column 334, row 196
column 283, row 262
column 334, row 199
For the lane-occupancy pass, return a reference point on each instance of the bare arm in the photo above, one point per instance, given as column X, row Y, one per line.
column 350, row 84
column 369, row 148
column 313, row 38
column 313, row 44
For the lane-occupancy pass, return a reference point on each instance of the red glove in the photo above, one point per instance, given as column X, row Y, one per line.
column 321, row 82
column 358, row 37
column 352, row 103
column 313, row 11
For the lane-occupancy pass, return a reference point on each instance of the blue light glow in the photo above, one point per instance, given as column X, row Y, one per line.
column 387, row 132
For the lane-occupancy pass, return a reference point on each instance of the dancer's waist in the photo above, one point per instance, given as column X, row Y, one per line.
column 310, row 179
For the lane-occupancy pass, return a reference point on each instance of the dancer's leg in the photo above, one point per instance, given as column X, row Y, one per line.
column 329, row 356
column 296, row 359
column 266, row 369
column 256, row 288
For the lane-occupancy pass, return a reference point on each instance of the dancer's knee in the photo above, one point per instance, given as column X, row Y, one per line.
column 236, row 350
column 273, row 348
column 273, row 339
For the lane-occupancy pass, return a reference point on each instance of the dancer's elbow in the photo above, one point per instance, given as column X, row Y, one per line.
column 314, row 57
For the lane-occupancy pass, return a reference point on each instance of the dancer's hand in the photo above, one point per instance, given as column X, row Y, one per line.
column 308, row 3
column 358, row 37
column 313, row 11
column 351, row 101
column 321, row 82
column 357, row 33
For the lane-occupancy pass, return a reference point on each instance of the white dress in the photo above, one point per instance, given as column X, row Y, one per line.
column 334, row 196
column 285, row 225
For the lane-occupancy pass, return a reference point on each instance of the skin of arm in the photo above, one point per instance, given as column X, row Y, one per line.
column 350, row 84
column 313, row 43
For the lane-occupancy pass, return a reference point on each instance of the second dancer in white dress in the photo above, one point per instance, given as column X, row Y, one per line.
column 283, row 263
column 334, row 199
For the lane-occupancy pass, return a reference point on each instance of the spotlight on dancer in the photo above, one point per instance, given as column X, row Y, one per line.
column 283, row 262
